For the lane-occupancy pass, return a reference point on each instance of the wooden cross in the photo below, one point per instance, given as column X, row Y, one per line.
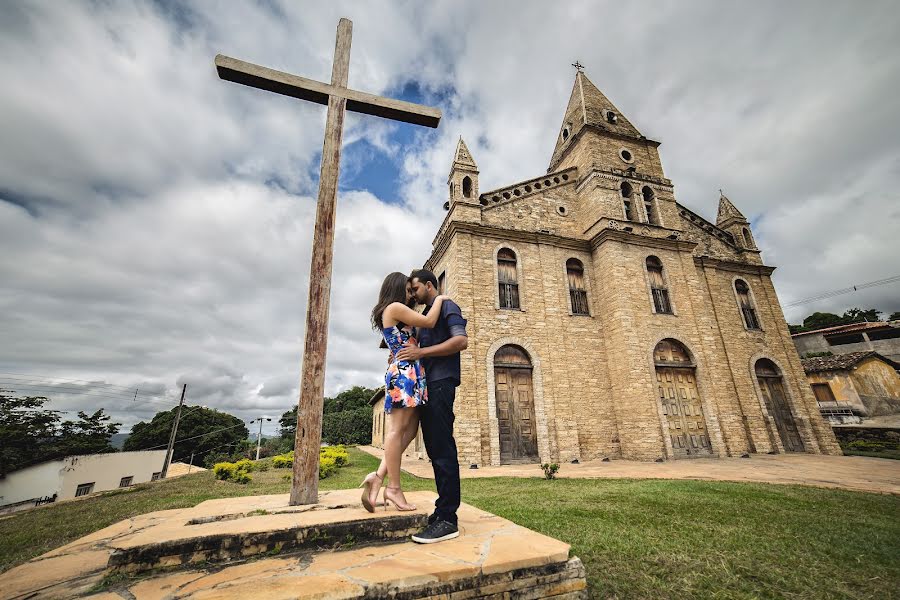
column 339, row 98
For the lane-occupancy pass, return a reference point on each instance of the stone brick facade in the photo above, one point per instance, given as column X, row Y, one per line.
column 594, row 389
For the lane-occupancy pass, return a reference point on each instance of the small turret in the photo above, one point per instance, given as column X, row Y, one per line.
column 463, row 178
column 731, row 220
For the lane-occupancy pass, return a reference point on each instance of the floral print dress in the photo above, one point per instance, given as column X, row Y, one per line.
column 404, row 381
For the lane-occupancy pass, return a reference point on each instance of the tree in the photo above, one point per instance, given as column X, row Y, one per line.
column 895, row 316
column 821, row 320
column 855, row 315
column 89, row 435
column 32, row 434
column 201, row 431
column 348, row 401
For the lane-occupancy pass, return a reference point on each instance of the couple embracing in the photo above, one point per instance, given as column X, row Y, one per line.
column 420, row 387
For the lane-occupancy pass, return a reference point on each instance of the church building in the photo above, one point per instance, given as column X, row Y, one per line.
column 608, row 320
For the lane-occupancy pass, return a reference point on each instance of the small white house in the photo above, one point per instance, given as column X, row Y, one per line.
column 75, row 476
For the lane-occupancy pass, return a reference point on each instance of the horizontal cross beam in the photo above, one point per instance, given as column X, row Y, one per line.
column 239, row 71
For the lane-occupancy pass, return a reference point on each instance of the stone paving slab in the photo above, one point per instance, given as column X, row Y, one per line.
column 858, row 473
column 492, row 557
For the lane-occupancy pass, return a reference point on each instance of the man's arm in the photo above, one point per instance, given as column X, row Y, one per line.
column 455, row 344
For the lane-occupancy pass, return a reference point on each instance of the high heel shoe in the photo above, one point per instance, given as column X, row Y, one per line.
column 367, row 484
column 405, row 507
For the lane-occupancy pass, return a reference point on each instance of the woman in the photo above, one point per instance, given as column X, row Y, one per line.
column 404, row 383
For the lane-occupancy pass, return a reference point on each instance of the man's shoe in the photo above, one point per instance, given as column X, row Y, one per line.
column 438, row 531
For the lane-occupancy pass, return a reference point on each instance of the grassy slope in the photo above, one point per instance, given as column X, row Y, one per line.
column 637, row 538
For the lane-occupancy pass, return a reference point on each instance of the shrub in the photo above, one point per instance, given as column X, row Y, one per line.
column 242, row 477
column 327, row 466
column 338, row 453
column 261, row 466
column 236, row 472
column 550, row 470
column 245, row 465
column 283, row 461
column 224, row 470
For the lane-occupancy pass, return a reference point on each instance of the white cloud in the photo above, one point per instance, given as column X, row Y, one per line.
column 168, row 221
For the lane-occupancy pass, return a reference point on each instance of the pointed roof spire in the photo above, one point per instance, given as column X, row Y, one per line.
column 462, row 156
column 728, row 211
column 588, row 106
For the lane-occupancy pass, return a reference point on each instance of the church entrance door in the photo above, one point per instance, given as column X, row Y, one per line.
column 772, row 387
column 680, row 401
column 515, row 406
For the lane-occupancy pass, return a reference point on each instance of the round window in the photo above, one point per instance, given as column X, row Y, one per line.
column 626, row 155
column 562, row 210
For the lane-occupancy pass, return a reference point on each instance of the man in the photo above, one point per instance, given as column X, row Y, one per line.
column 438, row 350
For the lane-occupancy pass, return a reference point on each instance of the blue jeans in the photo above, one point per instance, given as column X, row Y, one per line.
column 437, row 431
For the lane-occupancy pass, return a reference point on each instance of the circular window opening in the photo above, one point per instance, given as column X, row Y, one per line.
column 547, row 182
column 484, row 201
column 517, row 192
column 611, row 117
column 537, row 185
column 496, row 198
column 565, row 177
column 506, row 195
column 556, row 180
column 561, row 210
column 626, row 155
column 527, row 188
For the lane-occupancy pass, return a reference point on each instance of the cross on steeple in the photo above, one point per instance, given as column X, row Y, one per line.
column 578, row 66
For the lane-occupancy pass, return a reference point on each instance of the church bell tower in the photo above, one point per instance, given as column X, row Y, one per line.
column 463, row 178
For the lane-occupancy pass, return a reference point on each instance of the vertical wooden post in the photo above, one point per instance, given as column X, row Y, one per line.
column 305, row 483
column 172, row 435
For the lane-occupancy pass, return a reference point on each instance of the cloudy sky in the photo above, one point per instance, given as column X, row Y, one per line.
column 155, row 222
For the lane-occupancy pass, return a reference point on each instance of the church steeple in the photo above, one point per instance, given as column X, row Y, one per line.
column 589, row 107
column 463, row 178
column 730, row 219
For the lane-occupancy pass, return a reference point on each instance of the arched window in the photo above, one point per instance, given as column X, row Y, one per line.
column 745, row 303
column 627, row 200
column 748, row 240
column 652, row 217
column 658, row 287
column 467, row 186
column 577, row 292
column 508, row 278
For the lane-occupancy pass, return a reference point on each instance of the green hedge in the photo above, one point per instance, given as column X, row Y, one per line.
column 330, row 460
column 348, row 427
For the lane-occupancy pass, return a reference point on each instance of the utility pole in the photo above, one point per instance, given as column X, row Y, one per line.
column 191, row 464
column 165, row 468
column 259, row 436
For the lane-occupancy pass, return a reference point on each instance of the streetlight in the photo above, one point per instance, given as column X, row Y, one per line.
column 259, row 436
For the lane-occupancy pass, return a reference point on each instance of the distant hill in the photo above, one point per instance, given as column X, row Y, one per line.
column 118, row 440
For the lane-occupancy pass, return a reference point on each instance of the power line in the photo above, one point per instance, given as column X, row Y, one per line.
column 841, row 291
column 196, row 436
column 32, row 375
column 50, row 388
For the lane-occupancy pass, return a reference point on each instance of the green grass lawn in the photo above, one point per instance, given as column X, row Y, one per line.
column 637, row 538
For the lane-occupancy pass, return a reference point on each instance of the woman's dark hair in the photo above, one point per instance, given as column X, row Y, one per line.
column 393, row 289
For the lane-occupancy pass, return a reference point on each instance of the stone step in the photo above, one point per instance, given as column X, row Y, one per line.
column 218, row 531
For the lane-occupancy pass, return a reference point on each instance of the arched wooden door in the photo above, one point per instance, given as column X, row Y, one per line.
column 772, row 387
column 515, row 406
column 680, row 401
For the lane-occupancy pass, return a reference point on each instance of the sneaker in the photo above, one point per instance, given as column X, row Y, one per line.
column 438, row 531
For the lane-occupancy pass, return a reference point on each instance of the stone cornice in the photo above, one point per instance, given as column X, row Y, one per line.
column 656, row 183
column 736, row 267
column 512, row 235
column 643, row 236
column 529, row 187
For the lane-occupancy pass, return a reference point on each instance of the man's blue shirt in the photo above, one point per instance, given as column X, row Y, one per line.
column 449, row 324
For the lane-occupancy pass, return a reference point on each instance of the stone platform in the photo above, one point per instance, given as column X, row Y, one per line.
column 260, row 547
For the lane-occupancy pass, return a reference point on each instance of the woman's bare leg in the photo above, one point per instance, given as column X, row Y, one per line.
column 408, row 435
column 393, row 443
